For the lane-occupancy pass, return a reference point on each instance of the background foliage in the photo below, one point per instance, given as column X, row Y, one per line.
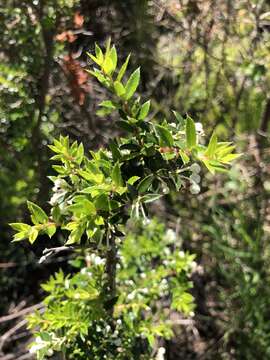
column 207, row 58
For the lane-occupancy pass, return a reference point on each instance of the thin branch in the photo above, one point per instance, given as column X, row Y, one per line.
column 20, row 313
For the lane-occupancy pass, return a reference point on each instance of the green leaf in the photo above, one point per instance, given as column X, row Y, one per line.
column 102, row 202
column 119, row 88
column 145, row 184
column 99, row 54
column 116, row 154
column 211, row 148
column 214, row 166
column 80, row 154
column 133, row 179
column 96, row 178
column 50, row 229
column 100, row 77
column 33, row 234
column 184, row 156
column 125, row 125
column 92, row 57
column 107, row 104
column 76, row 234
column 165, row 136
column 191, row 137
column 38, row 215
column 113, row 57
column 20, row 226
column 123, row 69
column 60, row 169
column 107, row 65
column 144, row 110
column 82, row 206
column 229, row 158
column 132, row 84
column 178, row 117
column 22, row 235
column 116, row 175
column 56, row 213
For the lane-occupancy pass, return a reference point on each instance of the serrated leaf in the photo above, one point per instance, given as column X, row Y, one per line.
column 165, row 136
column 144, row 110
column 191, row 137
column 132, row 84
column 38, row 215
column 123, row 69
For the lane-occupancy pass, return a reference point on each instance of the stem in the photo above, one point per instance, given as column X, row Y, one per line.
column 111, row 260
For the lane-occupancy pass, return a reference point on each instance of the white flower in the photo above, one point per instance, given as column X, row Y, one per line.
column 38, row 345
column 171, row 235
column 160, row 354
column 54, row 199
column 195, row 189
column 108, row 328
column 95, row 259
column 195, row 168
column 196, row 178
column 144, row 291
column 131, row 295
column 199, row 128
column 181, row 254
column 117, row 342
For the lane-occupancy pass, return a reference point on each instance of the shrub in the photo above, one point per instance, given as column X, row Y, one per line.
column 88, row 314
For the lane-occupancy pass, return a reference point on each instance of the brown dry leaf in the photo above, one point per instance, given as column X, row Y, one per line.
column 66, row 36
column 78, row 20
column 77, row 78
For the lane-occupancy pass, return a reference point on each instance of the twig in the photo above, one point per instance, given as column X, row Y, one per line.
column 20, row 313
column 7, row 265
column 7, row 335
column 52, row 251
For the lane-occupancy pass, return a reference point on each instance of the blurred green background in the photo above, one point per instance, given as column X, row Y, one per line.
column 208, row 58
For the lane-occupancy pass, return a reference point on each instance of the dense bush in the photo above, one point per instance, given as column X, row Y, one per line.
column 208, row 58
